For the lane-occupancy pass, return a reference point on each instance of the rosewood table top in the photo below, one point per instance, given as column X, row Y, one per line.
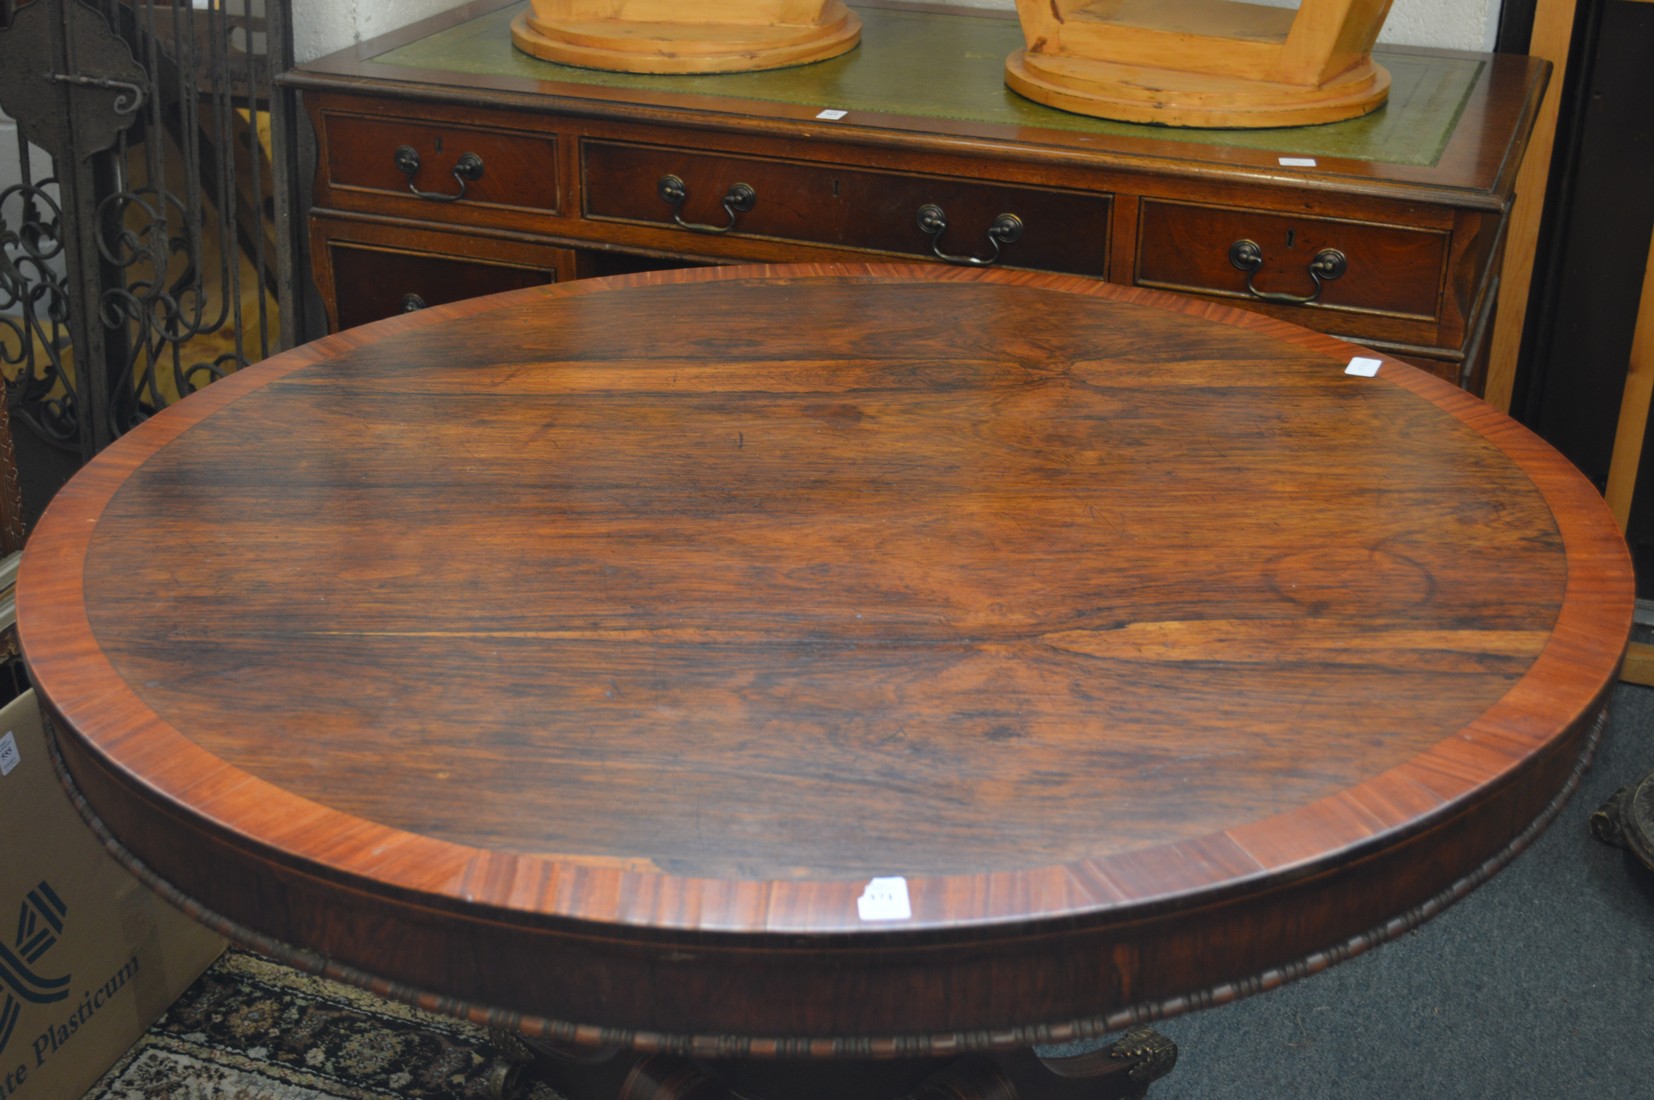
column 579, row 657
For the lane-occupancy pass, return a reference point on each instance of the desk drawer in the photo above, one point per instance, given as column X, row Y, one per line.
column 1387, row 269
column 369, row 270
column 457, row 167
column 839, row 206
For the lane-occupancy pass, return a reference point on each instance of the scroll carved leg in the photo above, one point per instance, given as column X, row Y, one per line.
column 663, row 1077
column 1121, row 1071
column 1607, row 819
column 504, row 1080
column 968, row 1078
column 1626, row 820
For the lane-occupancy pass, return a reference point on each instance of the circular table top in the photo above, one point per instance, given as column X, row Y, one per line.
column 631, row 628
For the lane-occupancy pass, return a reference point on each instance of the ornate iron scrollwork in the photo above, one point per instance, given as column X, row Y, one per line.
column 34, row 310
column 129, row 95
column 154, row 254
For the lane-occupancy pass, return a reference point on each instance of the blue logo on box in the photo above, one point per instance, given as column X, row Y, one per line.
column 39, row 923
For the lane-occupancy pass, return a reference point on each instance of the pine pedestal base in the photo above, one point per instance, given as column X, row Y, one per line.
column 1207, row 63
column 651, row 46
column 1133, row 93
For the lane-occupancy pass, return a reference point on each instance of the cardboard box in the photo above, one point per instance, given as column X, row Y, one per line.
column 89, row 957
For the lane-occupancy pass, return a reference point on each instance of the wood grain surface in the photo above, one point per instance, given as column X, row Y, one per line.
column 712, row 36
column 582, row 652
column 1202, row 63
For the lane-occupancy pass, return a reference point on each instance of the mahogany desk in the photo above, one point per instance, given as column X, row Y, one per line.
column 576, row 658
column 451, row 164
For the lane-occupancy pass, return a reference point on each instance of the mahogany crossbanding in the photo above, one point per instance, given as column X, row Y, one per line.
column 584, row 652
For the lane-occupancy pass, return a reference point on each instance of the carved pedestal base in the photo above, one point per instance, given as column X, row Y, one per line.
column 1627, row 820
column 1122, row 1071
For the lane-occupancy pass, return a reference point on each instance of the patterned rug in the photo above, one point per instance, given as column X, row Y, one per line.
column 250, row 1029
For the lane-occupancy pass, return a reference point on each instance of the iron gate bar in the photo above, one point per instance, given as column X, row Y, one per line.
column 134, row 222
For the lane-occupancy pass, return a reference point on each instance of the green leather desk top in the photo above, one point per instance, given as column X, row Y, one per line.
column 949, row 65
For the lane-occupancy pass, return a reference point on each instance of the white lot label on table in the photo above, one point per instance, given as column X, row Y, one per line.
column 885, row 899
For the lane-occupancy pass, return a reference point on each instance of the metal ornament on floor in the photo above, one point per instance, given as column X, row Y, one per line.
column 1627, row 820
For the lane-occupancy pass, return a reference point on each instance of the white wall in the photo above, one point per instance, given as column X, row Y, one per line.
column 1449, row 24
column 322, row 26
column 8, row 152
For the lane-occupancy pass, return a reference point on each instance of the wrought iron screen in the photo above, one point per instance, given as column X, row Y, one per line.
column 145, row 237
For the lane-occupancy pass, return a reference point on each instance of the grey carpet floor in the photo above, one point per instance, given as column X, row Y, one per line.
column 1539, row 985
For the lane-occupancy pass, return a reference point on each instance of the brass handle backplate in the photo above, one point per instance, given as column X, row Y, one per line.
column 737, row 201
column 466, row 169
column 1326, row 265
column 1005, row 229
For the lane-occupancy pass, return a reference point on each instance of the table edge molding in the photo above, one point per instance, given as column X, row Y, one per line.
column 879, row 1047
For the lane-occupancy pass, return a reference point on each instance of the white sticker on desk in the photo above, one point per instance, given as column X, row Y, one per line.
column 1297, row 162
column 832, row 115
column 9, row 756
column 1366, row 368
column 885, row 899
